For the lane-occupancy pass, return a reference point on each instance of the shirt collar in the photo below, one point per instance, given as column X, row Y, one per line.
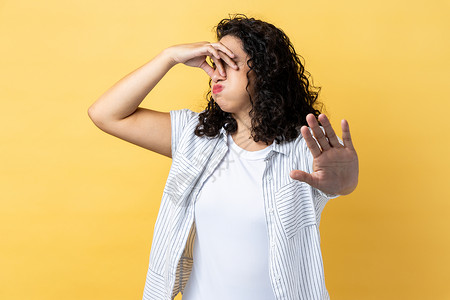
column 284, row 147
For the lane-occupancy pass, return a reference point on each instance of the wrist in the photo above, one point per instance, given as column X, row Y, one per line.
column 168, row 55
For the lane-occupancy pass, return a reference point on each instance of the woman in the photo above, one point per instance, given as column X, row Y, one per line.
column 250, row 176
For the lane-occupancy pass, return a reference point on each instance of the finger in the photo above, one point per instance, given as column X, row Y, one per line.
column 228, row 60
column 346, row 137
column 331, row 135
column 226, row 54
column 224, row 49
column 213, row 50
column 219, row 65
column 302, row 176
column 318, row 133
column 207, row 68
column 310, row 141
column 216, row 58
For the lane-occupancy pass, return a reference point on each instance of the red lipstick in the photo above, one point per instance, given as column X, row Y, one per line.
column 217, row 88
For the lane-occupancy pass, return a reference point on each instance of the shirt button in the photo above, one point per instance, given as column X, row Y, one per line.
column 271, row 210
column 272, row 245
column 278, row 277
column 269, row 177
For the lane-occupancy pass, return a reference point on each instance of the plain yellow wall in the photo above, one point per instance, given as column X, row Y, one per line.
column 78, row 206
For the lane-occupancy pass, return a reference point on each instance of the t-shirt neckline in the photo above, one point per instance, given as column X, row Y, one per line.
column 245, row 154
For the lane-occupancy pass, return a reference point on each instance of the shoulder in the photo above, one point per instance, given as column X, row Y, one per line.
column 183, row 116
column 183, row 123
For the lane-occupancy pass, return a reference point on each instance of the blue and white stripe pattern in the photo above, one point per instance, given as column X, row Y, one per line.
column 292, row 208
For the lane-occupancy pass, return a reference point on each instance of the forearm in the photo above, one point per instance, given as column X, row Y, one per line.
column 125, row 96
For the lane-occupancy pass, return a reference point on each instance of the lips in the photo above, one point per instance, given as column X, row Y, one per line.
column 217, row 88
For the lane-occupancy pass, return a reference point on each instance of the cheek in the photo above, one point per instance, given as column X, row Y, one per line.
column 247, row 84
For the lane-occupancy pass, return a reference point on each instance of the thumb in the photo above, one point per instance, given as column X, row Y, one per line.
column 207, row 68
column 301, row 176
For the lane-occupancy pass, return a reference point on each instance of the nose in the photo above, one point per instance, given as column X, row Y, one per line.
column 216, row 76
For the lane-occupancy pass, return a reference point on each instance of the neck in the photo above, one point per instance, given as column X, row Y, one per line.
column 244, row 125
column 242, row 136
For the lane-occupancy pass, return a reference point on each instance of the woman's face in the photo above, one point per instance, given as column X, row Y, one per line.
column 233, row 96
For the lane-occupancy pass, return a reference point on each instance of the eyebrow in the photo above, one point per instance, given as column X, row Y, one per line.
column 237, row 57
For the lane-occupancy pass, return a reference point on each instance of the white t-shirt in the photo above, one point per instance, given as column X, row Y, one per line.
column 231, row 248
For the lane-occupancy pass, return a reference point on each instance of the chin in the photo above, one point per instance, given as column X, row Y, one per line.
column 224, row 106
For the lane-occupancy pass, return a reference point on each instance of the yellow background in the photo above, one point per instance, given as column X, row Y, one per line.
column 78, row 206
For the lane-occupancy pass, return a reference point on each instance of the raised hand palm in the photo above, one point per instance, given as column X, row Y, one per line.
column 335, row 166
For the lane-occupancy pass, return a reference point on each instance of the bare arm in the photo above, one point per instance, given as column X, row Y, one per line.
column 117, row 111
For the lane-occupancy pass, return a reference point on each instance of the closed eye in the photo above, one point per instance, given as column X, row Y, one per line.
column 225, row 65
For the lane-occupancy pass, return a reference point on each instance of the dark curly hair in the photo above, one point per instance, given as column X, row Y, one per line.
column 283, row 97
